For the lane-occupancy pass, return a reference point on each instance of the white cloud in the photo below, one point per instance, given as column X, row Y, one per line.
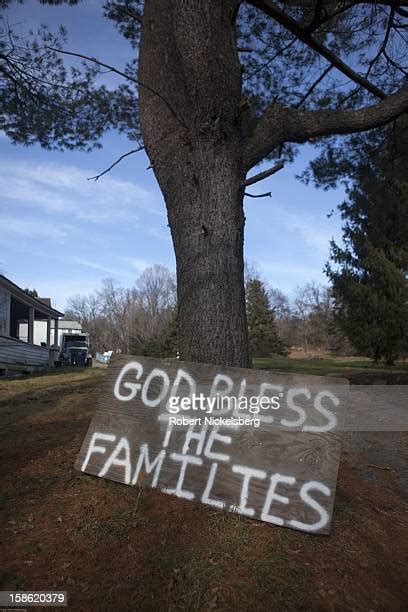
column 286, row 276
column 60, row 290
column 63, row 189
column 33, row 229
column 315, row 231
column 87, row 263
column 126, row 266
column 136, row 263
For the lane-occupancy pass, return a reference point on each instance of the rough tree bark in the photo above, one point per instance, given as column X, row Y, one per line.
column 189, row 84
column 188, row 56
column 189, row 98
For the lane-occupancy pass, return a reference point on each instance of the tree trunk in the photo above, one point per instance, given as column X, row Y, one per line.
column 190, row 119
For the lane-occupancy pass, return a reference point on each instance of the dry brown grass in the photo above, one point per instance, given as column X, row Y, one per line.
column 123, row 548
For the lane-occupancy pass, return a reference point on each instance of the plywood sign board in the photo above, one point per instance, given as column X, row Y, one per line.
column 260, row 443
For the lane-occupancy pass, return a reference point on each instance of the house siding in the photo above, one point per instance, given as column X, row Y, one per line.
column 16, row 352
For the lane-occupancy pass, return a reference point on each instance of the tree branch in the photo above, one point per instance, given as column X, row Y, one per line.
column 394, row 64
column 132, row 13
column 316, row 16
column 271, row 59
column 383, row 46
column 401, row 11
column 329, row 16
column 334, row 3
column 123, row 74
column 268, row 194
column 263, row 175
column 314, row 85
column 268, row 7
column 280, row 124
column 98, row 176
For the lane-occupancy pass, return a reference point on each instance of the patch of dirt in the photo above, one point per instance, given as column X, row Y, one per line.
column 126, row 548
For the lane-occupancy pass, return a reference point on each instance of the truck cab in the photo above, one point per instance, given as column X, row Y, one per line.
column 75, row 349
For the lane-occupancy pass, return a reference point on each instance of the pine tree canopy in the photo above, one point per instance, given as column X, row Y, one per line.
column 370, row 272
column 264, row 339
column 294, row 56
column 210, row 88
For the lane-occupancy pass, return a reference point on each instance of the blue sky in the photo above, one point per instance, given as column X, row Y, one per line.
column 63, row 234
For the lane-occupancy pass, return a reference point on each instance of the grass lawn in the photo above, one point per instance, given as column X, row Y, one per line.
column 324, row 366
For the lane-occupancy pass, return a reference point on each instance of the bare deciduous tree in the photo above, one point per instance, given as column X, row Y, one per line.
column 124, row 319
column 313, row 311
column 155, row 295
column 220, row 86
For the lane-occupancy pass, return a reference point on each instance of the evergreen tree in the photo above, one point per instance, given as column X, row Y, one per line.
column 210, row 89
column 164, row 344
column 370, row 272
column 264, row 339
column 31, row 292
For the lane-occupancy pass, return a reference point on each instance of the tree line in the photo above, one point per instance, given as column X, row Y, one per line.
column 125, row 319
column 143, row 318
column 209, row 91
column 364, row 308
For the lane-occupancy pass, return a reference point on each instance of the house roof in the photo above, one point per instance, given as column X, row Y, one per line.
column 63, row 324
column 42, row 305
column 46, row 301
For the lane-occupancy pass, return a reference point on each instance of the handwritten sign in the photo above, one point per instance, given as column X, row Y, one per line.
column 263, row 444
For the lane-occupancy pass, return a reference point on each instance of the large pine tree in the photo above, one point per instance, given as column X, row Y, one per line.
column 210, row 89
column 264, row 339
column 370, row 272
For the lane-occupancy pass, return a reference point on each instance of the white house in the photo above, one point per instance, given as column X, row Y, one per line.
column 40, row 331
column 17, row 308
